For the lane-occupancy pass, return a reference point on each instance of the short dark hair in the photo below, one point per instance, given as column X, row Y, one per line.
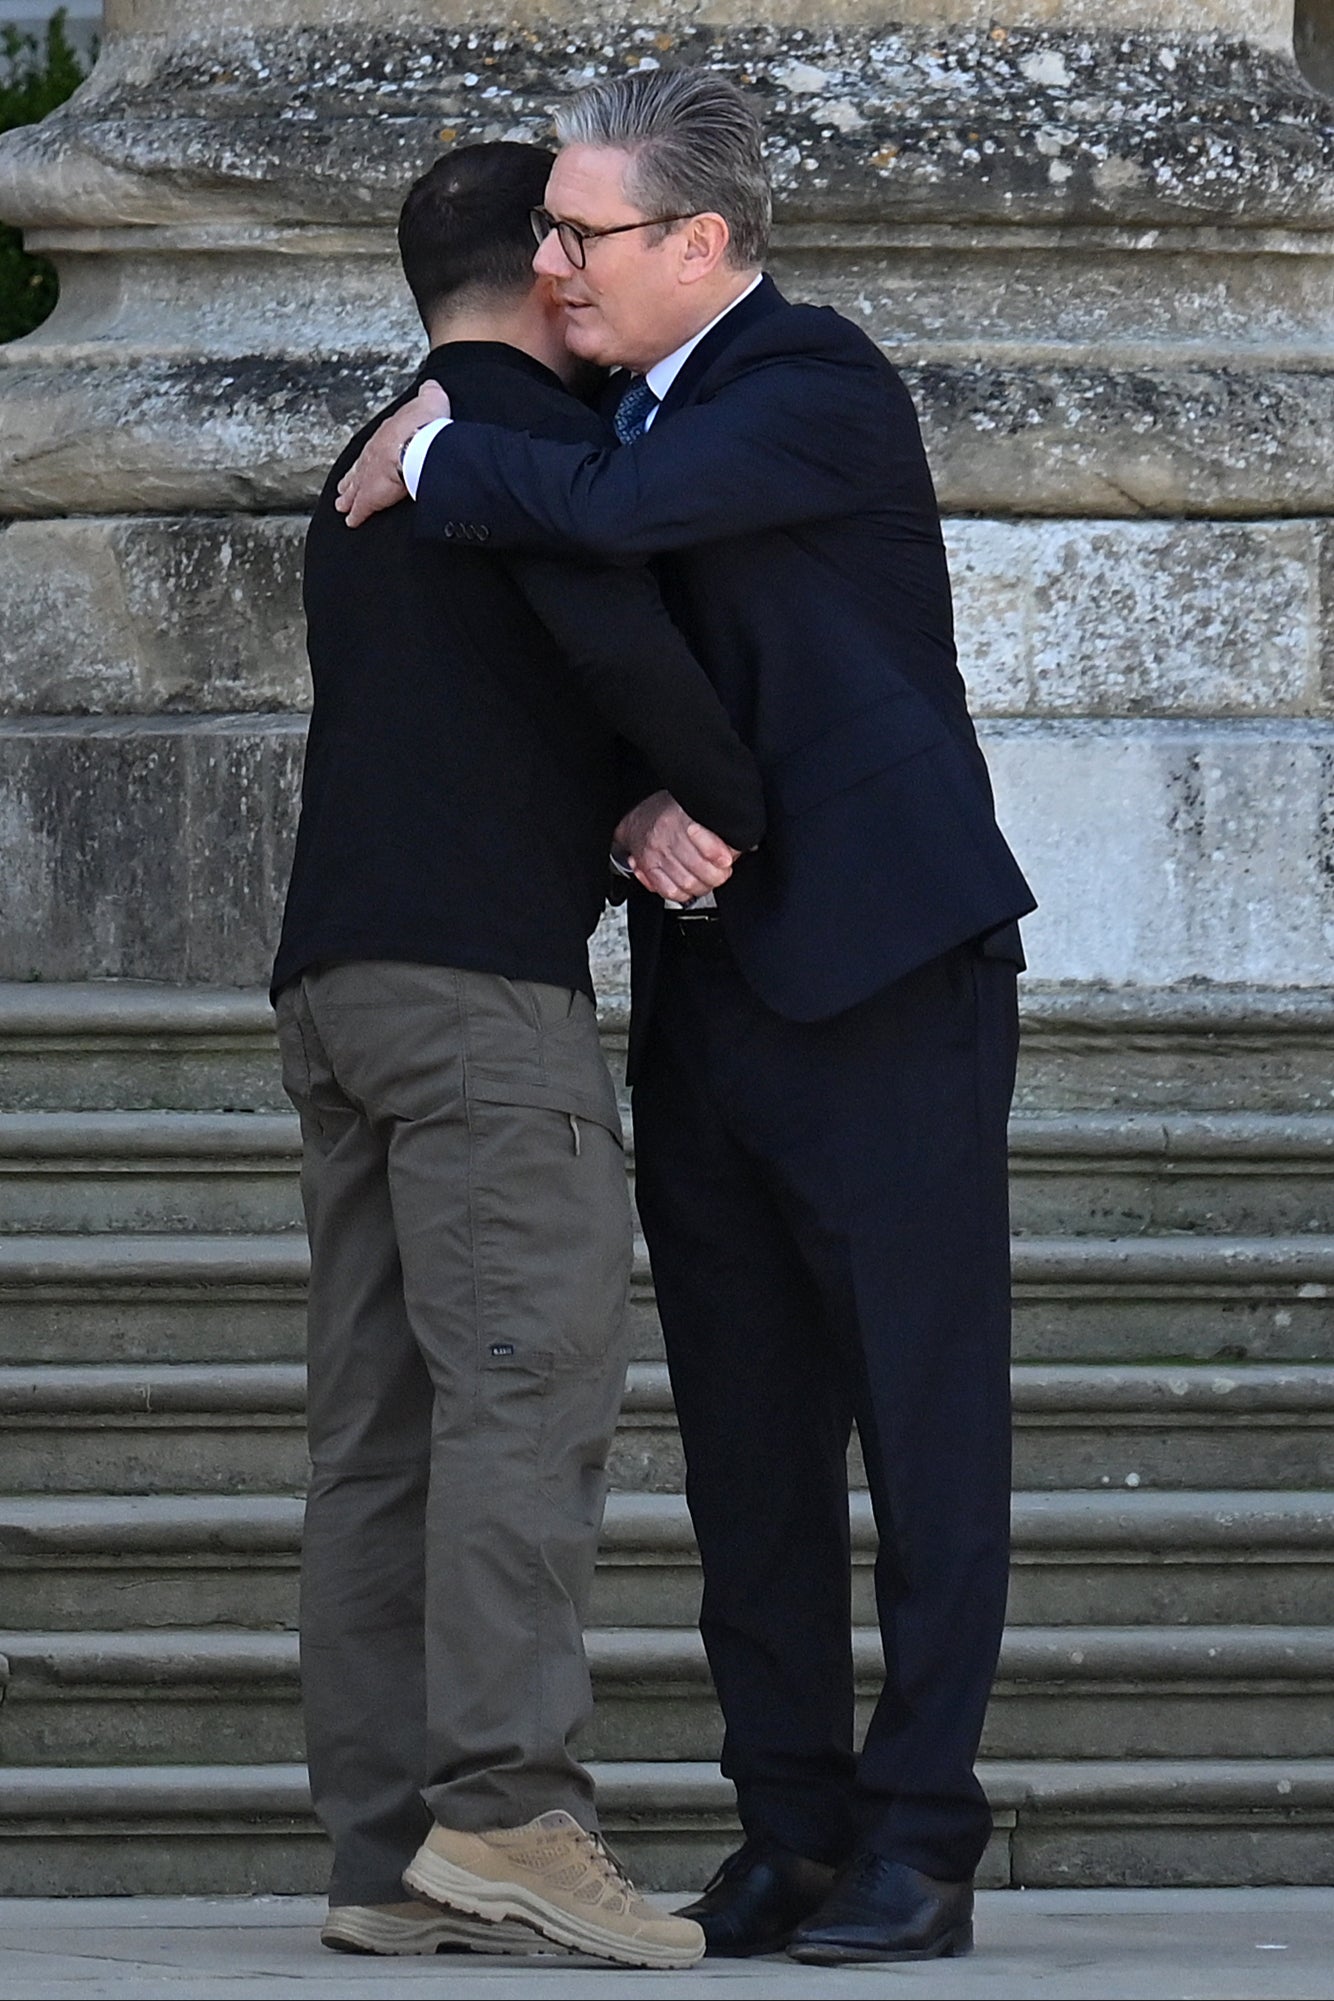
column 465, row 226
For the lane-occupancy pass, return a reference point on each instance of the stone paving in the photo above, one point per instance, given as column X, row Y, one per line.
column 1069, row 1945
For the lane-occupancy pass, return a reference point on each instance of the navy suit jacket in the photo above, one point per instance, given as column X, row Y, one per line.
column 785, row 491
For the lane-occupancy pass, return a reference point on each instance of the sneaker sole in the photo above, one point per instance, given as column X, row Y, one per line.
column 403, row 1938
column 445, row 1883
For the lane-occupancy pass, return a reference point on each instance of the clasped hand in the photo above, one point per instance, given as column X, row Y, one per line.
column 671, row 854
column 376, row 480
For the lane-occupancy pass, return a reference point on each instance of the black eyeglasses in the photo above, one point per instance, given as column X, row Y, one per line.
column 574, row 241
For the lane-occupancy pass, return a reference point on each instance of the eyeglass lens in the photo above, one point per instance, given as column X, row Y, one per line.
column 571, row 239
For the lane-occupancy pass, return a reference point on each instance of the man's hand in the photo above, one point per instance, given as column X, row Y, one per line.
column 671, row 854
column 375, row 481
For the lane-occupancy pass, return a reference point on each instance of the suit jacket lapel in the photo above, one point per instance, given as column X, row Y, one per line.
column 765, row 299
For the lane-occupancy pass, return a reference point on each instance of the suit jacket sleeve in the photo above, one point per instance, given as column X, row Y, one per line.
column 785, row 440
column 638, row 672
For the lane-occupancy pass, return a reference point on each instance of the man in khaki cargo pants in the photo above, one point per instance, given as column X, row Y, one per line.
column 469, row 1259
column 462, row 1170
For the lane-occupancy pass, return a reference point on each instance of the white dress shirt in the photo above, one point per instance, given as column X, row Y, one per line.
column 659, row 379
column 664, row 373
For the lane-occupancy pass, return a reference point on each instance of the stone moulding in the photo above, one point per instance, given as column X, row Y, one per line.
column 1101, row 256
column 126, row 1013
column 258, row 432
column 980, row 122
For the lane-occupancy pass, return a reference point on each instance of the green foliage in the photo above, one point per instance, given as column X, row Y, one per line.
column 36, row 74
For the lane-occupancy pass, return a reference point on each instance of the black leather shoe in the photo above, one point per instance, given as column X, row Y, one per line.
column 884, row 1910
column 757, row 1899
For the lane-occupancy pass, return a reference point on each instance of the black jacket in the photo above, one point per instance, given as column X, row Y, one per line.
column 460, row 785
column 785, row 487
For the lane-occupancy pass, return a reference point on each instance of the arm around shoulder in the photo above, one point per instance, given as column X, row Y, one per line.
column 784, row 440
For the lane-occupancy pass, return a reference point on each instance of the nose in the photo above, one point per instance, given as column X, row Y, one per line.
column 550, row 260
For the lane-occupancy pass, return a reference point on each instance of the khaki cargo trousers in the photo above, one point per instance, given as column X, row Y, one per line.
column 466, row 1201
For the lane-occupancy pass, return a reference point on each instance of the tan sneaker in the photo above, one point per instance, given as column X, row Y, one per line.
column 420, row 1928
column 553, row 1875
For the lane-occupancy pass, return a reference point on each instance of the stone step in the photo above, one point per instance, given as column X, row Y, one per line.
column 1201, row 1048
column 152, row 1171
column 126, row 1428
column 1117, row 1174
column 1169, row 1425
column 1142, row 1299
column 1073, row 1173
column 1080, row 1559
column 188, row 1298
column 247, row 1830
column 179, row 1697
column 113, row 1045
column 153, row 1428
column 150, row 1560
column 139, row 1298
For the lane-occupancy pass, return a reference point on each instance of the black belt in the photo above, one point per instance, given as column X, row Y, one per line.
column 701, row 935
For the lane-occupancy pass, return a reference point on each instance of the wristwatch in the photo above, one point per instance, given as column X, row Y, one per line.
column 403, row 451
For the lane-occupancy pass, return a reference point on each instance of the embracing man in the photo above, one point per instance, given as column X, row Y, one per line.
column 823, row 1046
column 462, row 1173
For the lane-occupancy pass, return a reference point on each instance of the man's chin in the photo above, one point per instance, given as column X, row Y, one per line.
column 588, row 338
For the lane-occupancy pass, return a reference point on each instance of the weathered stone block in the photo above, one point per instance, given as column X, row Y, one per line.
column 1154, row 440
column 158, row 435
column 1135, row 297
column 202, row 613
column 1105, row 618
column 139, row 615
column 1162, row 852
column 146, row 849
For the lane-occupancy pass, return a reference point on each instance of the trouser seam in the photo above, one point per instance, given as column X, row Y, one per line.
column 474, row 1224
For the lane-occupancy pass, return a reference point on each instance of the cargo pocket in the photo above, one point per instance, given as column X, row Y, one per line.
column 552, row 1234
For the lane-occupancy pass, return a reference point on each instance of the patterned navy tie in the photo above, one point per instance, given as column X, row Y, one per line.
column 633, row 411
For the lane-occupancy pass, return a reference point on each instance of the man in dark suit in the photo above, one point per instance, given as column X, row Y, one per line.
column 462, row 1167
column 824, row 1053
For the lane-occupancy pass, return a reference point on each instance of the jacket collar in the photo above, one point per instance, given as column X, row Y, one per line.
column 757, row 305
column 498, row 353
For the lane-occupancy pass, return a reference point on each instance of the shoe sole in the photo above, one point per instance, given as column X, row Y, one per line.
column 410, row 1938
column 954, row 1945
column 445, row 1883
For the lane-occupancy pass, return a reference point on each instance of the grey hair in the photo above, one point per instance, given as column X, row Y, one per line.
column 695, row 145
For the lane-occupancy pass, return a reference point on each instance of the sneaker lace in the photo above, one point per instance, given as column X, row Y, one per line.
column 606, row 1861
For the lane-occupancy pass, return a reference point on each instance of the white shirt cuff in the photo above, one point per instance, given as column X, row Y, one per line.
column 414, row 457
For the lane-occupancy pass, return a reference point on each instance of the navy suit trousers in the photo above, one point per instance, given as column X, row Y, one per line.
column 826, row 1212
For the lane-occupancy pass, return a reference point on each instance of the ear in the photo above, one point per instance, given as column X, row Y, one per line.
column 704, row 241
